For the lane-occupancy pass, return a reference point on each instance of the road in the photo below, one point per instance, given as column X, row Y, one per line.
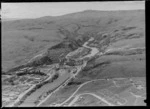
column 63, row 85
column 20, row 96
column 100, row 98
column 77, row 91
column 52, row 93
column 137, row 97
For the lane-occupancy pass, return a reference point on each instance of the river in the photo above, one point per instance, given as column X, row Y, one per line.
column 93, row 52
column 60, row 81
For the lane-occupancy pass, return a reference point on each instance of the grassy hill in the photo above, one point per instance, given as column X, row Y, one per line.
column 23, row 39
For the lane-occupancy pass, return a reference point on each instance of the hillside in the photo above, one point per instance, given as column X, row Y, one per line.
column 23, row 39
column 89, row 58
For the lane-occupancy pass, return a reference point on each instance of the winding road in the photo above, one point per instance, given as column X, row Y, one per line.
column 77, row 91
column 100, row 98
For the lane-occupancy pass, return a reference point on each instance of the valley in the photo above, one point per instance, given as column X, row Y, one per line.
column 88, row 64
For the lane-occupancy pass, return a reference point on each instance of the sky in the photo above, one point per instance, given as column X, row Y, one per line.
column 36, row 10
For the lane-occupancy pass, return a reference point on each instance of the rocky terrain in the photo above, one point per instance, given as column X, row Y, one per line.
column 65, row 60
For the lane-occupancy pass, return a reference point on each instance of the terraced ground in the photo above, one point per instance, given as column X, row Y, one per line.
column 89, row 58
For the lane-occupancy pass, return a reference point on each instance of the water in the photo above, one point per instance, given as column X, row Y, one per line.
column 65, row 76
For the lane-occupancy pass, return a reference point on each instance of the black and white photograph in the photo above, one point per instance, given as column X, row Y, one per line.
column 73, row 54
